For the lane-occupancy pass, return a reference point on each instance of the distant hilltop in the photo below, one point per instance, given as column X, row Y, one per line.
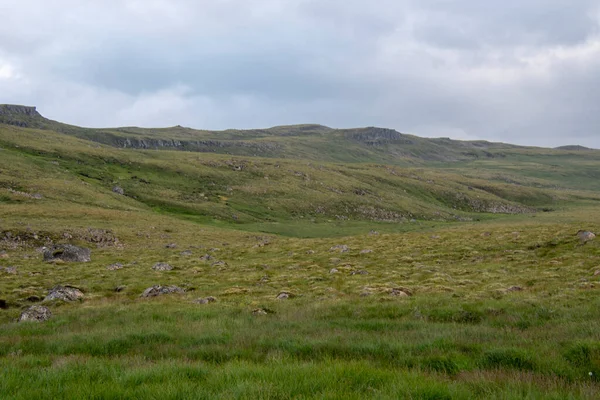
column 12, row 109
column 310, row 141
column 573, row 147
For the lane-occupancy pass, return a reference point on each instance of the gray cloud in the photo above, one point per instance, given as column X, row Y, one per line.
column 517, row 71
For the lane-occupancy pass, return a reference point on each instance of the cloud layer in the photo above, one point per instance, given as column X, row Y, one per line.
column 520, row 71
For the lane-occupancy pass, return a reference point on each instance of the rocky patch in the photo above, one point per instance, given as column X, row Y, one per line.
column 114, row 267
column 64, row 293
column 586, row 236
column 159, row 290
column 67, row 253
column 162, row 267
column 36, row 314
column 205, row 300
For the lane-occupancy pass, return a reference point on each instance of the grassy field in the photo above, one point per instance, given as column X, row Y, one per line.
column 460, row 280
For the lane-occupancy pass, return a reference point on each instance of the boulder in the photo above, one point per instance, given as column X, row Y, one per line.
column 118, row 190
column 158, row 290
column 64, row 293
column 399, row 292
column 66, row 252
column 162, row 267
column 114, row 267
column 285, row 296
column 35, row 313
column 586, row 236
column 205, row 300
column 342, row 248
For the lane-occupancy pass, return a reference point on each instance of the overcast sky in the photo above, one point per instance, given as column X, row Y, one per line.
column 519, row 71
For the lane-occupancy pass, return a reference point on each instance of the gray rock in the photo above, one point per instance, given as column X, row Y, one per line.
column 366, row 251
column 206, row 257
column 171, row 246
column 64, row 293
column 399, row 292
column 285, row 296
column 114, row 267
column 35, row 313
column 361, row 272
column 514, row 289
column 158, row 290
column 342, row 248
column 118, row 190
column 186, row 253
column 162, row 267
column 205, row 300
column 586, row 236
column 334, row 271
column 68, row 253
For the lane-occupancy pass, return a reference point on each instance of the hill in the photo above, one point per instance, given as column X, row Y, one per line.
column 342, row 264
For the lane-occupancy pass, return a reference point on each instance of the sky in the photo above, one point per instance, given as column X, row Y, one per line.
column 517, row 71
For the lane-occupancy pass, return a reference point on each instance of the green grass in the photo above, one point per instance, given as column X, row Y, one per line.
column 462, row 334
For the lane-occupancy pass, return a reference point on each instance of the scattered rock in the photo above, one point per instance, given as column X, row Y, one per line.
column 310, row 252
column 400, row 292
column 35, row 313
column 205, row 300
column 186, row 253
column 171, row 246
column 342, row 248
column 361, row 272
column 365, row 294
column 585, row 236
column 120, row 288
column 259, row 311
column 4, row 255
column 486, row 234
column 285, row 296
column 206, row 257
column 334, row 271
column 373, row 233
column 335, row 261
column 366, row 251
column 219, row 264
column 9, row 270
column 158, row 290
column 162, row 267
column 67, row 253
column 114, row 267
column 118, row 190
column 435, row 236
column 64, row 293
column 514, row 289
column 597, row 272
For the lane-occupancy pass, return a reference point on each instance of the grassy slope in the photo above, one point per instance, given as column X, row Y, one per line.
column 461, row 334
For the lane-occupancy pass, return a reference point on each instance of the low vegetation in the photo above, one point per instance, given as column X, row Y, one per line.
column 296, row 278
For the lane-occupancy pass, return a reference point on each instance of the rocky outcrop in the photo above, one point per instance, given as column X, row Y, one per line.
column 17, row 115
column 377, row 136
column 162, row 267
column 64, row 293
column 36, row 314
column 67, row 253
column 158, row 290
column 12, row 109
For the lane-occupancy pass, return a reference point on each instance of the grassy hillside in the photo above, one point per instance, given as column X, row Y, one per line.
column 408, row 275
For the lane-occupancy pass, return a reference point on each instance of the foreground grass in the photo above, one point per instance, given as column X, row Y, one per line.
column 416, row 348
